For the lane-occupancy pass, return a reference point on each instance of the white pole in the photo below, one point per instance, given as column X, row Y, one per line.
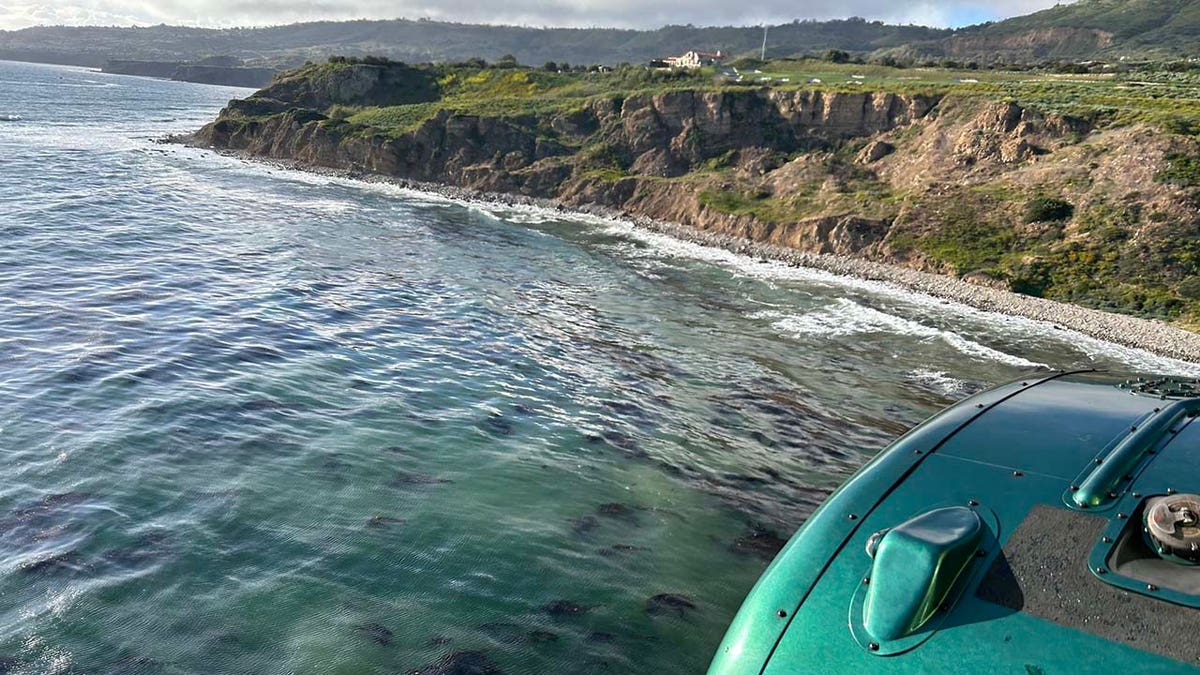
column 763, row 55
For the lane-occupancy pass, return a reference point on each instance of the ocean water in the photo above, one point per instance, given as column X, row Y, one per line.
column 260, row 421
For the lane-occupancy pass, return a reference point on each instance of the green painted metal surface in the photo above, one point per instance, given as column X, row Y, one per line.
column 916, row 564
column 1003, row 452
column 1099, row 485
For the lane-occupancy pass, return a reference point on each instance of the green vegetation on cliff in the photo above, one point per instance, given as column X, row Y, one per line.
column 1089, row 29
column 514, row 92
column 1170, row 100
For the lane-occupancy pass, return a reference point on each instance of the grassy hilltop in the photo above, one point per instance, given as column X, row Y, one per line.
column 1089, row 29
column 1081, row 187
column 428, row 41
column 1162, row 97
column 1111, row 30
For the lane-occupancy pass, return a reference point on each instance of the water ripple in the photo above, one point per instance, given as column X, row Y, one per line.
column 261, row 421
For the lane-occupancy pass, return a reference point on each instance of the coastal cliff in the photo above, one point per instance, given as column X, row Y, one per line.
column 208, row 71
column 983, row 189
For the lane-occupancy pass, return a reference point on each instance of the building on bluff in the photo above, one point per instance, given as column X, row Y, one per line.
column 690, row 59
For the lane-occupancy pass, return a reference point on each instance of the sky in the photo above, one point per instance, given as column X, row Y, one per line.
column 580, row 13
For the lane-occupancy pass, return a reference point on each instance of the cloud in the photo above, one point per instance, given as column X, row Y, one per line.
column 20, row 15
column 622, row 13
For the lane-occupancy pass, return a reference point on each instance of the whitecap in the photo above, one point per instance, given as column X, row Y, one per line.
column 846, row 317
column 1012, row 327
column 940, row 382
column 666, row 247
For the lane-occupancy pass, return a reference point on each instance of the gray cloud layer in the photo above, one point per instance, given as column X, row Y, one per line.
column 624, row 13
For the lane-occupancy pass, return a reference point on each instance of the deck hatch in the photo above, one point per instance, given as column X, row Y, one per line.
column 1043, row 572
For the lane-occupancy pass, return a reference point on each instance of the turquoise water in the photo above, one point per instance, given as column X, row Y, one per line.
column 260, row 421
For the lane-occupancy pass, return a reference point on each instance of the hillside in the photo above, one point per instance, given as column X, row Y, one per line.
column 428, row 41
column 995, row 181
column 1089, row 29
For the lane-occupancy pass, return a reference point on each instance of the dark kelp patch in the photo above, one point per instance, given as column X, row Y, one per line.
column 670, row 604
column 376, row 632
column 408, row 478
column 69, row 562
column 378, row 522
column 620, row 549
column 461, row 663
column 584, row 525
column 760, row 541
column 147, row 549
column 48, row 505
column 565, row 608
column 619, row 511
column 497, row 425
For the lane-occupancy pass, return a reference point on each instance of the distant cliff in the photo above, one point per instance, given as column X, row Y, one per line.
column 163, row 69
column 982, row 189
column 227, row 75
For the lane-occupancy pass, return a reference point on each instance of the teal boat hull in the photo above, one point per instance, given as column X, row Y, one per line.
column 989, row 538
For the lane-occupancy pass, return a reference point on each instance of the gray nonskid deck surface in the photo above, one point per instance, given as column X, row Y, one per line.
column 1043, row 572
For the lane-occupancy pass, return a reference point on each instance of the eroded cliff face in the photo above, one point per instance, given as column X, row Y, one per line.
column 618, row 152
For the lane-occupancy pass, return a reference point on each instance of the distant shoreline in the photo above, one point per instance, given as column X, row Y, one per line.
column 1153, row 336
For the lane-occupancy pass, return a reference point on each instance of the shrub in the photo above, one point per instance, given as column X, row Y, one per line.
column 341, row 113
column 1189, row 288
column 1047, row 209
column 1181, row 169
column 837, row 56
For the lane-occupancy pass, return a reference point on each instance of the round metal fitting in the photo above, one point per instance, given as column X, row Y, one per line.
column 873, row 542
column 1173, row 523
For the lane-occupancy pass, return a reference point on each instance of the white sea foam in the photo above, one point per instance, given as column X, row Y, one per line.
column 846, row 317
column 940, row 382
column 1014, row 328
column 528, row 217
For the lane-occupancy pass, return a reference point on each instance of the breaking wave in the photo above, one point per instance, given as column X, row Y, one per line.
column 846, row 317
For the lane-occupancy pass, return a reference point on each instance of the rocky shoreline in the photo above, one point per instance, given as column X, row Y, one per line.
column 1153, row 336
